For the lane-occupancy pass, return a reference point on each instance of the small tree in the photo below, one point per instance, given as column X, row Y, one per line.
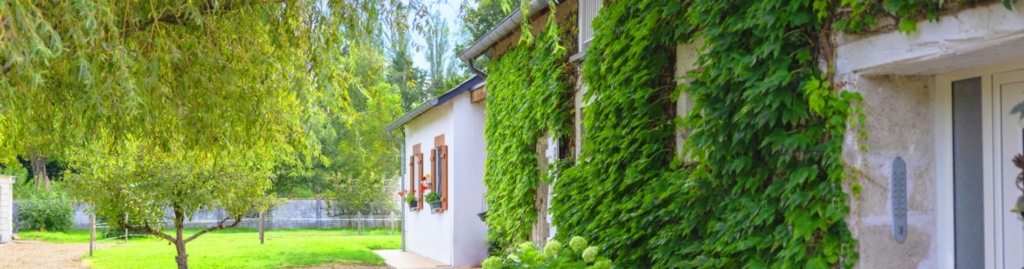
column 142, row 188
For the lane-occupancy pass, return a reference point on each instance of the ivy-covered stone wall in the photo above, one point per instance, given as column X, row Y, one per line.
column 773, row 145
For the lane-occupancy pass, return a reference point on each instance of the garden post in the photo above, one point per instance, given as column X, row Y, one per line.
column 262, row 214
column 92, row 234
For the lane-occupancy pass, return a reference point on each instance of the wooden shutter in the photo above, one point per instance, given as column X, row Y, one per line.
column 412, row 177
column 444, row 178
column 419, row 185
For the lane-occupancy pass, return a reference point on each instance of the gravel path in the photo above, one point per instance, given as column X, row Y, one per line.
column 35, row 254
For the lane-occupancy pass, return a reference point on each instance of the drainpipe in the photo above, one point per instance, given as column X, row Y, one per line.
column 400, row 180
column 506, row 26
column 476, row 71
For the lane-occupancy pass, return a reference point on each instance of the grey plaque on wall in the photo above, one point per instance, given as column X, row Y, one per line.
column 898, row 192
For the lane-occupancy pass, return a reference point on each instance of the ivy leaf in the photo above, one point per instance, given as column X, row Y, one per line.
column 801, row 18
column 907, row 26
column 817, row 94
column 816, row 263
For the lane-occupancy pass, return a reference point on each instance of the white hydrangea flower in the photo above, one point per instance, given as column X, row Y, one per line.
column 578, row 243
column 553, row 247
column 590, row 254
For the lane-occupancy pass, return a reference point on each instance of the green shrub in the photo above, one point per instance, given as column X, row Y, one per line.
column 45, row 211
column 555, row 255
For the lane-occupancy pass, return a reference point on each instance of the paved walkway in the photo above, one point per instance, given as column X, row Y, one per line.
column 408, row 260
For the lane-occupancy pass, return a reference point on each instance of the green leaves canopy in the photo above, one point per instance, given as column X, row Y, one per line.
column 184, row 74
column 177, row 103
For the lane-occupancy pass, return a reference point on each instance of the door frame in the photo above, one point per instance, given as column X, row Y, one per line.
column 942, row 103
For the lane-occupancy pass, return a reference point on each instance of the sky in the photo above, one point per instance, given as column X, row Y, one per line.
column 450, row 12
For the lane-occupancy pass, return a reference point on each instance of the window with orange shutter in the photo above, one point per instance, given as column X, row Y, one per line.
column 439, row 158
column 443, row 177
column 419, row 181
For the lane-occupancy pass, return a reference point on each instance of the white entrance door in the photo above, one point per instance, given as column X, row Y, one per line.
column 1008, row 89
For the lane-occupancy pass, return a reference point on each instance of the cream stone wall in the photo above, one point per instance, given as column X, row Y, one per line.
column 899, row 124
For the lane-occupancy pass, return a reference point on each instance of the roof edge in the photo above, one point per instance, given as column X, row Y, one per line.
column 467, row 84
column 503, row 28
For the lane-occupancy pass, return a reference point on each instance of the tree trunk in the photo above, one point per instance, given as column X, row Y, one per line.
column 179, row 242
column 39, row 171
column 182, row 258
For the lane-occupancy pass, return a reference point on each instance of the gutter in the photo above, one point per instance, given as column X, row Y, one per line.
column 509, row 24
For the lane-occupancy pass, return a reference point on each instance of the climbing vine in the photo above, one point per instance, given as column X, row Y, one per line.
column 628, row 141
column 760, row 180
column 528, row 95
column 761, row 184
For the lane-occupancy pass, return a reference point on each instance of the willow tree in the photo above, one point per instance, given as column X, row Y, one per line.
column 175, row 103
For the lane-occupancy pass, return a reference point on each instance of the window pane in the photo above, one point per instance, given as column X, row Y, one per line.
column 440, row 172
column 968, row 177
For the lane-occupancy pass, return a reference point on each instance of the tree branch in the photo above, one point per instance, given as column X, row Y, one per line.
column 220, row 226
column 146, row 229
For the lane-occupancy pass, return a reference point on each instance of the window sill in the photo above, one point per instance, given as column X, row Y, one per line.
column 578, row 56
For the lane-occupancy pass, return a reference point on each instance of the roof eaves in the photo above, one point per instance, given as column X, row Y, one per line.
column 467, row 84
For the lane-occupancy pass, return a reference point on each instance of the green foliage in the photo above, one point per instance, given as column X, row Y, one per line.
column 480, row 18
column 356, row 170
column 554, row 256
column 760, row 185
column 628, row 143
column 528, row 96
column 432, row 197
column 45, row 211
column 403, row 75
column 25, row 189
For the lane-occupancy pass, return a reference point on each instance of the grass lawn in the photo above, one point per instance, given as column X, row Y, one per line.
column 239, row 248
column 82, row 236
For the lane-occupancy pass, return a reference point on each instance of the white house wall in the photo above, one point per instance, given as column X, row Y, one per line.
column 429, row 234
column 467, row 157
